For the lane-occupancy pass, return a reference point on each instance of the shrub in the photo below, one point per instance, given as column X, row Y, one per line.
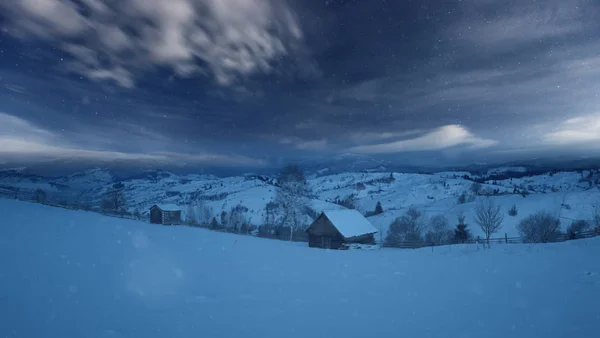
column 349, row 202
column 577, row 226
column 360, row 186
column 407, row 228
column 475, row 188
column 541, row 227
column 439, row 231
column 39, row 196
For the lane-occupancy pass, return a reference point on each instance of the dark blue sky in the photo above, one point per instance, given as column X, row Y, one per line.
column 258, row 82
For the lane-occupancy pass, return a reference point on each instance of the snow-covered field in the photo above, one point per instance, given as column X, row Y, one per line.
column 70, row 273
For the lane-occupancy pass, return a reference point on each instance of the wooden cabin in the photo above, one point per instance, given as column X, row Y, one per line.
column 333, row 229
column 166, row 214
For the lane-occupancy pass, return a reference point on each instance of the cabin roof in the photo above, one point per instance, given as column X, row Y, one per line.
column 350, row 223
column 167, row 207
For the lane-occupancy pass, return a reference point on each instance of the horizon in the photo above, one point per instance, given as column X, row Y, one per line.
column 55, row 168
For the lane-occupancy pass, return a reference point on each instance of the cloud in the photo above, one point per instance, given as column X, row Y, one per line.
column 438, row 139
column 227, row 40
column 17, row 128
column 580, row 130
column 362, row 137
column 15, row 88
column 302, row 144
column 517, row 23
column 20, row 138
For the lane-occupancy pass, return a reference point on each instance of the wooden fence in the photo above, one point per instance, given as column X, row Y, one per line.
column 498, row 240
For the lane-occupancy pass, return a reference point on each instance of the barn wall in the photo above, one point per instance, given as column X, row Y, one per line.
column 172, row 217
column 322, row 227
column 364, row 239
column 322, row 234
column 155, row 216
column 325, row 242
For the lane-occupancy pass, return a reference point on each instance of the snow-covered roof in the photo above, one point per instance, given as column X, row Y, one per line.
column 168, row 207
column 350, row 222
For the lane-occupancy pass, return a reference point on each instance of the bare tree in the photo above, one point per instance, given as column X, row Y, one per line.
column 204, row 213
column 270, row 217
column 113, row 201
column 489, row 217
column 540, row 227
column 439, row 230
column 237, row 218
column 190, row 215
column 292, row 197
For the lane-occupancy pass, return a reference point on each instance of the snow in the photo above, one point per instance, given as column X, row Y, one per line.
column 169, row 207
column 350, row 223
column 71, row 273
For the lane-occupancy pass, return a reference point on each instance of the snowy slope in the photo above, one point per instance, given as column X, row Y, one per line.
column 77, row 274
column 569, row 195
column 568, row 206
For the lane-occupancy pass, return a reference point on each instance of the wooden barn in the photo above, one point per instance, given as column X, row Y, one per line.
column 167, row 214
column 335, row 228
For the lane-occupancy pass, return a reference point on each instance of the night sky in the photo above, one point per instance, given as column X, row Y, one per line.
column 259, row 82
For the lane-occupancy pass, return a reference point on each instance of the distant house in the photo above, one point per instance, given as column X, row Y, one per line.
column 334, row 228
column 167, row 214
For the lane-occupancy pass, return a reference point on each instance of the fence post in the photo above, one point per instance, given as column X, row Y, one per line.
column 505, row 238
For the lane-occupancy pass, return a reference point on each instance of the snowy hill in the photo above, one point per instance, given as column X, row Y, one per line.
column 81, row 274
column 569, row 195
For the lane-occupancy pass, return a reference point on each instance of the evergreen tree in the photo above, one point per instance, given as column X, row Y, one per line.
column 378, row 209
column 461, row 233
column 213, row 223
column 224, row 218
column 513, row 211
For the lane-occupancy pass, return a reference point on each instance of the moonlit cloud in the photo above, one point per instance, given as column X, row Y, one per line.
column 227, row 40
column 20, row 138
column 441, row 138
column 15, row 128
column 580, row 130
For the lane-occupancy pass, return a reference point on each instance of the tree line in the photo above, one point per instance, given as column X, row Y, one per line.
column 413, row 229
